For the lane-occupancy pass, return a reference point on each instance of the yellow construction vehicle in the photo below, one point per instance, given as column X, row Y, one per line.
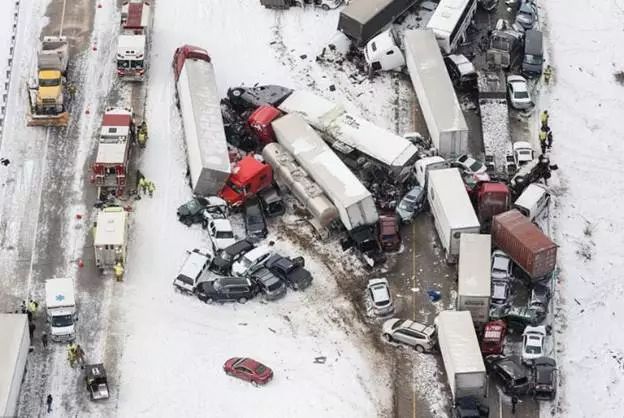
column 48, row 101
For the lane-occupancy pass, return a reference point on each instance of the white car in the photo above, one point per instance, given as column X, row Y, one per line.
column 193, row 270
column 500, row 293
column 518, row 91
column 419, row 336
column 470, row 165
column 252, row 261
column 378, row 292
column 501, row 265
column 221, row 233
column 533, row 343
column 522, row 153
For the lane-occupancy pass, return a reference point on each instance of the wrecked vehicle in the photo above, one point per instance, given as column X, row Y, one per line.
column 412, row 204
column 286, row 4
column 389, row 236
column 272, row 202
column 246, row 98
column 197, row 210
column 290, row 271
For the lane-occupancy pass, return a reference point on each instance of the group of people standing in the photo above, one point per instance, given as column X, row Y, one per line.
column 545, row 133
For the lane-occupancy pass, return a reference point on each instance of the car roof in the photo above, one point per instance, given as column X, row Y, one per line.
column 511, row 367
column 247, row 362
column 239, row 246
column 415, row 326
column 193, row 264
column 233, row 280
column 222, row 224
column 265, row 276
column 258, row 252
column 379, row 289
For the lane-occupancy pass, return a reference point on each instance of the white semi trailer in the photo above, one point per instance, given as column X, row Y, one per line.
column 346, row 132
column 461, row 355
column 436, row 96
column 452, row 211
column 204, row 134
column 474, row 280
column 355, row 205
column 14, row 348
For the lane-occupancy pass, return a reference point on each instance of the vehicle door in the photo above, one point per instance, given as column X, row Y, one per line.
column 417, row 338
column 243, row 373
column 236, row 292
column 404, row 336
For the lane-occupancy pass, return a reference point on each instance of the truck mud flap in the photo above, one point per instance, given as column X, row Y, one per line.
column 61, row 119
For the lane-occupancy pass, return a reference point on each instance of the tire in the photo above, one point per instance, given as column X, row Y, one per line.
column 237, row 93
column 242, row 300
column 420, row 349
column 325, row 7
column 295, row 287
column 388, row 338
column 254, row 383
column 204, row 224
column 209, row 301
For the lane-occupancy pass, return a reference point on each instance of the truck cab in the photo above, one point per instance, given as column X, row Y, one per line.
column 50, row 98
column 259, row 122
column 383, row 53
column 490, row 199
column 61, row 309
column 249, row 177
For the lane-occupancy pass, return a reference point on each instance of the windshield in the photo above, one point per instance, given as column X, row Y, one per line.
column 476, row 166
column 234, row 187
column 185, row 279
column 224, row 234
column 49, row 82
column 260, row 369
column 521, row 95
column 136, row 64
column 533, row 59
column 62, row 321
column 533, row 349
column 246, row 262
column 123, row 63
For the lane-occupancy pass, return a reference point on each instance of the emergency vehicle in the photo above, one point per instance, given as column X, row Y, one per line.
column 132, row 43
column 109, row 172
column 110, row 238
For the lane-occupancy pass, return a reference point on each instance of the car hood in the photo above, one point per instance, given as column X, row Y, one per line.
column 387, row 326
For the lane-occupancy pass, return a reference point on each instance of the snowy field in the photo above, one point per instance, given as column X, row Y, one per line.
column 183, row 343
column 586, row 105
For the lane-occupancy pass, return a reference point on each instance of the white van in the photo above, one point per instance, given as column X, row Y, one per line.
column 193, row 270
column 533, row 200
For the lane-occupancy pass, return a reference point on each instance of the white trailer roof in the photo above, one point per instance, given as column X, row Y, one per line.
column 432, row 82
column 323, row 165
column 111, row 153
column 446, row 16
column 474, row 265
column 201, row 116
column 331, row 119
column 364, row 10
column 12, row 329
column 59, row 292
column 451, row 192
column 130, row 44
column 461, row 341
column 111, row 227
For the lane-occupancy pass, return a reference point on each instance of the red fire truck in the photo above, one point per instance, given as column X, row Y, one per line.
column 109, row 172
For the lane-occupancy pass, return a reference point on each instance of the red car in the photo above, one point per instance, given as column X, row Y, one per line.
column 389, row 236
column 248, row 369
column 493, row 338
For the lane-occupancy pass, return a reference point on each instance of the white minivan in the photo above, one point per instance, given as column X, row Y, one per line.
column 533, row 200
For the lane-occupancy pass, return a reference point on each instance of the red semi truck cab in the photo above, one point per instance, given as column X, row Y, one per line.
column 259, row 122
column 249, row 177
column 490, row 199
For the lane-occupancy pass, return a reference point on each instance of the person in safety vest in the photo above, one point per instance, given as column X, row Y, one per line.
column 544, row 118
column 543, row 136
column 142, row 134
column 150, row 188
column 548, row 72
column 119, row 271
column 142, row 185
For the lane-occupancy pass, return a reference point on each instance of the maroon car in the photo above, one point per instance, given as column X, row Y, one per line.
column 389, row 236
column 493, row 339
column 248, row 369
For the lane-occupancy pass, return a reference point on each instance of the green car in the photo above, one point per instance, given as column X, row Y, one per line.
column 516, row 318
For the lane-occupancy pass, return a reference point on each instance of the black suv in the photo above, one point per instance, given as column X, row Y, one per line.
column 272, row 287
column 510, row 372
column 222, row 264
column 198, row 209
column 291, row 271
column 544, row 379
column 255, row 224
column 227, row 289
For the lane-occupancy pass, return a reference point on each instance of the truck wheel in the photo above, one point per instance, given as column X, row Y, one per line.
column 237, row 92
column 324, row 7
column 242, row 300
column 420, row 349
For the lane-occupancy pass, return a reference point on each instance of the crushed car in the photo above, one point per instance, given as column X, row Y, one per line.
column 509, row 372
column 290, row 271
column 222, row 263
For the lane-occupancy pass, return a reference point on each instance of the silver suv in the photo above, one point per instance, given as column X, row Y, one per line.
column 419, row 336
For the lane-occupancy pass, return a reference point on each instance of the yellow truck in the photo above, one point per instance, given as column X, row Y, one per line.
column 48, row 101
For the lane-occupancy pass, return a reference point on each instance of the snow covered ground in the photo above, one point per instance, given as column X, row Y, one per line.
column 183, row 343
column 586, row 104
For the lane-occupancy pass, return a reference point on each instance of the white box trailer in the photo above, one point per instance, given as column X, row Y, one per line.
column 200, row 107
column 61, row 309
column 461, row 355
column 452, row 211
column 347, row 132
column 436, row 96
column 14, row 348
column 111, row 238
column 474, row 278
column 355, row 204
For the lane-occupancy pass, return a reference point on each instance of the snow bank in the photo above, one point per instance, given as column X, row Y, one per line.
column 585, row 105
